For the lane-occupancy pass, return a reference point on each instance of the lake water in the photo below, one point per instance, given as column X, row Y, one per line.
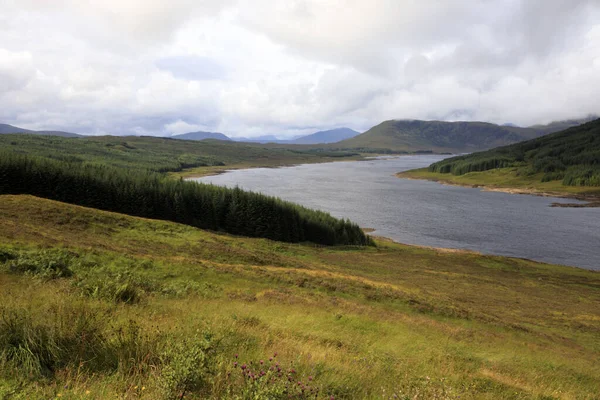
column 430, row 214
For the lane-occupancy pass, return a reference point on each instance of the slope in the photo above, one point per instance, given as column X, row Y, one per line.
column 8, row 129
column 438, row 136
column 136, row 308
column 158, row 154
column 566, row 161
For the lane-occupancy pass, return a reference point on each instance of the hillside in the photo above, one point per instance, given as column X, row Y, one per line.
column 565, row 162
column 8, row 129
column 160, row 154
column 114, row 306
column 201, row 136
column 438, row 136
column 558, row 126
column 152, row 195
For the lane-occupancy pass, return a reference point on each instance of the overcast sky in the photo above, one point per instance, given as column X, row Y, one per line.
column 289, row 67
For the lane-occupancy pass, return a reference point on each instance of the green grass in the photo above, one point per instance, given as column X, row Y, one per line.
column 507, row 179
column 150, row 309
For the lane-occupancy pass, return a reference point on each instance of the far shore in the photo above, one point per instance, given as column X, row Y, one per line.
column 590, row 197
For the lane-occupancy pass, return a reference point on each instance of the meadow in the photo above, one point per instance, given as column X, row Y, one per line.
column 96, row 305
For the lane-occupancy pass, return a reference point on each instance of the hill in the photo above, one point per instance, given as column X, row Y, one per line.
column 201, row 136
column 437, row 136
column 8, row 129
column 161, row 154
column 101, row 305
column 558, row 126
column 566, row 161
column 146, row 194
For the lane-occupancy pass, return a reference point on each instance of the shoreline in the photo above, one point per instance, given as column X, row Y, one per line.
column 218, row 170
column 224, row 168
column 590, row 200
column 449, row 250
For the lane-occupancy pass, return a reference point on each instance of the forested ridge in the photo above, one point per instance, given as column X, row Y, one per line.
column 148, row 194
column 571, row 156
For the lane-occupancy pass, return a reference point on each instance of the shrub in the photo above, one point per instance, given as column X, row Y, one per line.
column 187, row 365
column 268, row 379
column 46, row 264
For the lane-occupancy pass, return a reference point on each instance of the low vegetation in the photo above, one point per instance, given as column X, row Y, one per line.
column 571, row 157
column 98, row 305
column 161, row 154
column 151, row 195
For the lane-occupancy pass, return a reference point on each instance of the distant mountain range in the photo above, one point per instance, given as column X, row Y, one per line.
column 440, row 136
column 321, row 137
column 394, row 135
column 329, row 136
column 6, row 129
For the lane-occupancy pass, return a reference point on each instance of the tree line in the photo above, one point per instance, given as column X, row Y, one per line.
column 152, row 195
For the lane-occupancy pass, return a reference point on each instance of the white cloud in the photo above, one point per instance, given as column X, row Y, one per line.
column 282, row 67
column 178, row 127
column 16, row 70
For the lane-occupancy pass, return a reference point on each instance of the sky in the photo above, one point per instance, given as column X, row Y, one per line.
column 292, row 67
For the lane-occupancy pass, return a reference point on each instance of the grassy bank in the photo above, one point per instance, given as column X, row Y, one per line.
column 508, row 180
column 101, row 305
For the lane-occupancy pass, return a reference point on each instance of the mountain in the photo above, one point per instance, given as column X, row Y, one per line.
column 440, row 136
column 321, row 137
column 414, row 135
column 329, row 136
column 200, row 136
column 8, row 129
column 259, row 139
column 558, row 126
column 571, row 156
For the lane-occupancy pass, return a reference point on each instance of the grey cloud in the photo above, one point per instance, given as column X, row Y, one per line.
column 265, row 67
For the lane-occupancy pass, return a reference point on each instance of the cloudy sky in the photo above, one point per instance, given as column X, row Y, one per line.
column 289, row 67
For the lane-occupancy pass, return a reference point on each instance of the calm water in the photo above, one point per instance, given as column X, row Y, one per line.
column 431, row 214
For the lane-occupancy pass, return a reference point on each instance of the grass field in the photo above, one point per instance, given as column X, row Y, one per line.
column 100, row 305
column 507, row 179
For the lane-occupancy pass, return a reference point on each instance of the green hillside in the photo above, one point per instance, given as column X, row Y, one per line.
column 160, row 154
column 99, row 305
column 571, row 157
column 152, row 195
